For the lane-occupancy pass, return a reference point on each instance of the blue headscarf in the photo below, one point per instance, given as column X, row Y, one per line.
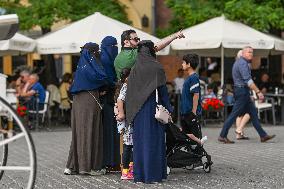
column 90, row 74
column 109, row 51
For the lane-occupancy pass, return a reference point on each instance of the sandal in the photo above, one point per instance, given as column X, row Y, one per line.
column 243, row 137
column 238, row 133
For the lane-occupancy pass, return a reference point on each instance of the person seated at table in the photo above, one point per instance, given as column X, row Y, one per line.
column 32, row 91
column 264, row 83
column 65, row 104
column 64, row 90
column 11, row 81
column 210, row 92
column 203, row 75
column 22, row 81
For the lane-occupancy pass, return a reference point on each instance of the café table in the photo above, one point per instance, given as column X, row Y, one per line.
column 280, row 97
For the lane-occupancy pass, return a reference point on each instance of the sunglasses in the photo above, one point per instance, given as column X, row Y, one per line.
column 135, row 39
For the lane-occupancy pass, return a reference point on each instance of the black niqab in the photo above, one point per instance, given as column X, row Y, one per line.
column 146, row 76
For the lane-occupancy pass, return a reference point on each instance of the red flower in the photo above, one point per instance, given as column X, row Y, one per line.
column 22, row 110
column 212, row 104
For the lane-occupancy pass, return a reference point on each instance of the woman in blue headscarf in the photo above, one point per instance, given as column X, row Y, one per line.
column 109, row 51
column 86, row 150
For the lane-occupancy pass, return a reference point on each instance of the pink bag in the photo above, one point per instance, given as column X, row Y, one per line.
column 162, row 114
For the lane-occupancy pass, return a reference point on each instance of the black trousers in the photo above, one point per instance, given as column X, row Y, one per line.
column 127, row 155
column 191, row 127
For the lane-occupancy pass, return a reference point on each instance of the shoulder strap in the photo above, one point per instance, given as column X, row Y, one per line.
column 157, row 98
column 96, row 100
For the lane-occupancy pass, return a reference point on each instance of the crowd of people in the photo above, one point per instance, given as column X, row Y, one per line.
column 114, row 104
column 114, row 99
column 33, row 95
column 102, row 81
column 30, row 92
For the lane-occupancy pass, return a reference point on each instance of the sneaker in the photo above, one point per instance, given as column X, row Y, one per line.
column 97, row 172
column 130, row 176
column 131, row 168
column 203, row 140
column 124, row 176
column 198, row 165
column 67, row 171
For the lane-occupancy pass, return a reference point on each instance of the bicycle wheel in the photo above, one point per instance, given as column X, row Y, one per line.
column 3, row 154
column 25, row 140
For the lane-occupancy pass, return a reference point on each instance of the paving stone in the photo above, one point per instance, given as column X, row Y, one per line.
column 245, row 164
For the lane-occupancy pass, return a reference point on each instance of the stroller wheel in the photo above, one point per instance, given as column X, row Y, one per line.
column 168, row 170
column 207, row 167
column 189, row 167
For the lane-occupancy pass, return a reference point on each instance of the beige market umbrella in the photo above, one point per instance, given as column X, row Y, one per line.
column 90, row 29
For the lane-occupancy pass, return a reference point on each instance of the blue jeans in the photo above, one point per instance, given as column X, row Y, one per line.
column 243, row 103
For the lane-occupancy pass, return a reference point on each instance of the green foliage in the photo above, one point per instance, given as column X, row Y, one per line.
column 45, row 13
column 83, row 8
column 263, row 15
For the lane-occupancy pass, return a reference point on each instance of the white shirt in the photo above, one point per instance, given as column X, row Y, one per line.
column 122, row 92
column 178, row 84
column 212, row 66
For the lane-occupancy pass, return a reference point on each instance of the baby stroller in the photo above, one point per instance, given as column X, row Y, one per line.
column 184, row 153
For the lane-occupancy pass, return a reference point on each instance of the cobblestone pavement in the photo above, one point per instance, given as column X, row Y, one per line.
column 246, row 164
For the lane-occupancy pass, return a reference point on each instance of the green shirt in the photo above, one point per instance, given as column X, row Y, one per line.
column 125, row 59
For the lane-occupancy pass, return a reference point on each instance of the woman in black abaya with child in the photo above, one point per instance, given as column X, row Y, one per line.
column 149, row 149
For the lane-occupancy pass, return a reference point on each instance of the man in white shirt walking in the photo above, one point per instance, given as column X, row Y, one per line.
column 178, row 81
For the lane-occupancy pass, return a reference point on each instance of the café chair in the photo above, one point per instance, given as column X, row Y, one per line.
column 43, row 112
column 267, row 105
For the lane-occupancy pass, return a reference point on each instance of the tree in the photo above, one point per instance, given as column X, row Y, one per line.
column 264, row 15
column 44, row 13
column 110, row 8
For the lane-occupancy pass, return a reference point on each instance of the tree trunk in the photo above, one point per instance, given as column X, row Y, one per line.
column 49, row 73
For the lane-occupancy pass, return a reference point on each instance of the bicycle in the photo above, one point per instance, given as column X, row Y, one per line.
column 8, row 135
